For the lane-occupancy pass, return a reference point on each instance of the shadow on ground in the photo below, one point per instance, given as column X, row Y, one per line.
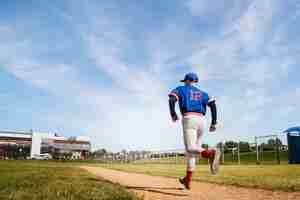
column 158, row 190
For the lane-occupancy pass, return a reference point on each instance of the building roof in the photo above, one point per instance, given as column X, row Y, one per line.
column 20, row 135
column 293, row 129
column 14, row 134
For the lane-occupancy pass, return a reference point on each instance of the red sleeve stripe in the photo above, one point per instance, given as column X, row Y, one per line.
column 175, row 95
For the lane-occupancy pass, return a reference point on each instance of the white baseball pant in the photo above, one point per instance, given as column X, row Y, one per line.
column 193, row 130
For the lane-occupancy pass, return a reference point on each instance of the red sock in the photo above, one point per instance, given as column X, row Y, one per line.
column 207, row 153
column 189, row 175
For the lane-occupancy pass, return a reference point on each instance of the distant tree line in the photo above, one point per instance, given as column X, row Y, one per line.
column 228, row 146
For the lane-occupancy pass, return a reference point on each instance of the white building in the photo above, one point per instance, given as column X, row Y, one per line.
column 33, row 144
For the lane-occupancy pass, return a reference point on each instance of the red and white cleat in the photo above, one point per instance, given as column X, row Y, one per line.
column 185, row 183
column 214, row 160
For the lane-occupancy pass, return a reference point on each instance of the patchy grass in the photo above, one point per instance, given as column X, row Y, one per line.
column 272, row 177
column 35, row 180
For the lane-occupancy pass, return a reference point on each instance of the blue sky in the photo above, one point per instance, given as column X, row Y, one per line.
column 104, row 68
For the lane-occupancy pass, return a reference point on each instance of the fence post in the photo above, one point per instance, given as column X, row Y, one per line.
column 223, row 152
column 277, row 151
column 257, row 151
column 238, row 149
column 262, row 152
column 159, row 158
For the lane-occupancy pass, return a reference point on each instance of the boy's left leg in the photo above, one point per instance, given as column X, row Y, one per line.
column 212, row 154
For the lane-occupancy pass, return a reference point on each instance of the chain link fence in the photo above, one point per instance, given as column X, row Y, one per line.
column 268, row 149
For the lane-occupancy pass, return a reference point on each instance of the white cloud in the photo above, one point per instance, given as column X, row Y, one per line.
column 221, row 13
column 205, row 7
column 297, row 14
column 243, row 40
column 44, row 76
column 298, row 92
column 247, row 64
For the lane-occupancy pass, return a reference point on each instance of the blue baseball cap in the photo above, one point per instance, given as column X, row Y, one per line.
column 190, row 77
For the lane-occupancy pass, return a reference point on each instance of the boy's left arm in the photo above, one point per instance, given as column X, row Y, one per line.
column 213, row 108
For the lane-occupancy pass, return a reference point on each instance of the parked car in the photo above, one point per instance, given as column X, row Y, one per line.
column 45, row 156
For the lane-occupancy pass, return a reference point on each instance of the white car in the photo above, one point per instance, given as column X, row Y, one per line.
column 44, row 156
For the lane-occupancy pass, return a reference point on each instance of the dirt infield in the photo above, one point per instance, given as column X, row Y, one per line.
column 161, row 188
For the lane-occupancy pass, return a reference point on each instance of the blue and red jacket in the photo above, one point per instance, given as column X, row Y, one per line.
column 192, row 100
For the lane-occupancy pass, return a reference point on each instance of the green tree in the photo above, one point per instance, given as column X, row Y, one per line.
column 244, row 146
column 229, row 145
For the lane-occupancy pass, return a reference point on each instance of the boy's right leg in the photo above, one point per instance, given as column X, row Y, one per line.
column 190, row 140
column 191, row 164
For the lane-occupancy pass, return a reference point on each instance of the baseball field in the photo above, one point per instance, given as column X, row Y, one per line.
column 71, row 180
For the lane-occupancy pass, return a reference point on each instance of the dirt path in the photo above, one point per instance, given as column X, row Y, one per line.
column 161, row 188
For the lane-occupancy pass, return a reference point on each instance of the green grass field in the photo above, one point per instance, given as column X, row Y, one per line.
column 272, row 177
column 35, row 180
